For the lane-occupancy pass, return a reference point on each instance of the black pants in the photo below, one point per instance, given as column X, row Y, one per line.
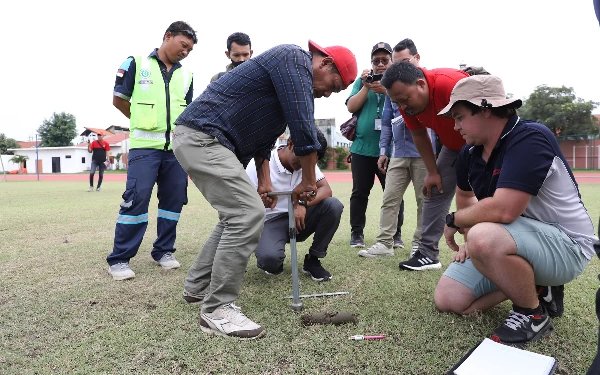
column 322, row 220
column 364, row 170
column 101, row 167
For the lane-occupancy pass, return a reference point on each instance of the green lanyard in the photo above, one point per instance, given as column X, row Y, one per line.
column 378, row 107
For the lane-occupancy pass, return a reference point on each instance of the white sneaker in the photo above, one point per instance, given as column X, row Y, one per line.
column 168, row 262
column 121, row 271
column 91, row 188
column 376, row 250
column 228, row 320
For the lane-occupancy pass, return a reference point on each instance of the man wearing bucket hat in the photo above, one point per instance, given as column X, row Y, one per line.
column 520, row 209
column 237, row 118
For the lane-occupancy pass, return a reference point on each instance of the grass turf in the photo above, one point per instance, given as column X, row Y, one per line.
column 62, row 313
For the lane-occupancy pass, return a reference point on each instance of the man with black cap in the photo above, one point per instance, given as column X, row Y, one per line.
column 367, row 98
column 520, row 210
column 220, row 132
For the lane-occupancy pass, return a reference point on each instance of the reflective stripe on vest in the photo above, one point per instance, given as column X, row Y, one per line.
column 149, row 107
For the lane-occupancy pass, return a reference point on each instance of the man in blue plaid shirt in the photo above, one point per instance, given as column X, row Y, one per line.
column 237, row 118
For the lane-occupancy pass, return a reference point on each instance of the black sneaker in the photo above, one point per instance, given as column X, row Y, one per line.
column 279, row 271
column 552, row 298
column 420, row 262
column 357, row 240
column 398, row 243
column 312, row 266
column 520, row 329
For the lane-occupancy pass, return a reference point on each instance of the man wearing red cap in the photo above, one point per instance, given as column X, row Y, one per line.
column 238, row 118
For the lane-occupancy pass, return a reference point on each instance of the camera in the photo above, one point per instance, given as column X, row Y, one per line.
column 373, row 77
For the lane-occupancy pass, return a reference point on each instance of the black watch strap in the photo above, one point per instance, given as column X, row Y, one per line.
column 450, row 221
column 303, row 203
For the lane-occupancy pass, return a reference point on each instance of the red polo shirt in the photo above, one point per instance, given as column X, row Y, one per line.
column 441, row 82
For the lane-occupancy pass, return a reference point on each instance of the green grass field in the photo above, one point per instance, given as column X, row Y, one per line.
column 60, row 312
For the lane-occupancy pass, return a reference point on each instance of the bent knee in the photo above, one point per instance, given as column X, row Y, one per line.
column 452, row 296
column 334, row 205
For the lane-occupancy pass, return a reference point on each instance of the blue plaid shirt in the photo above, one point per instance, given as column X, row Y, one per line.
column 248, row 108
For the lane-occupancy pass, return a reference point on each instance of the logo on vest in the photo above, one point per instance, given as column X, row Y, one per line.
column 145, row 73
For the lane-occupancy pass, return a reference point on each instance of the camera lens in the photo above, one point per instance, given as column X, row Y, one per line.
column 369, row 78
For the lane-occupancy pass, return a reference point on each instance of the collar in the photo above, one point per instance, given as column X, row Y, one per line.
column 511, row 124
column 160, row 62
column 280, row 168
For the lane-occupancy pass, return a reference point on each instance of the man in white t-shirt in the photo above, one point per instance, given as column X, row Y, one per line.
column 320, row 216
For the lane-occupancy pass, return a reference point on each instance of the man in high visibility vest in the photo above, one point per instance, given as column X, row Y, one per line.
column 152, row 91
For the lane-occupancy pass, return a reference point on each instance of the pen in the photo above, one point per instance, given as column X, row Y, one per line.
column 361, row 337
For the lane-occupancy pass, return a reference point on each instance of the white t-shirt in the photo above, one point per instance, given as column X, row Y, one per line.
column 282, row 180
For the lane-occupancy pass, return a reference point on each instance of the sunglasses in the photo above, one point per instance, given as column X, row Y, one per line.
column 190, row 33
column 382, row 60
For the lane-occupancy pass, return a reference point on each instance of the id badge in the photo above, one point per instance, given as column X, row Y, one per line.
column 377, row 124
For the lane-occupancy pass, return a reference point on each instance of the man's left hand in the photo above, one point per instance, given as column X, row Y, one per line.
column 378, row 88
column 268, row 202
column 299, row 216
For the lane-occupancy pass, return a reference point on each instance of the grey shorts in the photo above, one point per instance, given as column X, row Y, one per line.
column 555, row 258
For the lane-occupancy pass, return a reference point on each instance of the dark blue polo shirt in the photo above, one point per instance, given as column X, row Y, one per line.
column 527, row 158
column 126, row 78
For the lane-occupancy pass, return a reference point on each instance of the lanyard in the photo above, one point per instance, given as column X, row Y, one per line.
column 378, row 107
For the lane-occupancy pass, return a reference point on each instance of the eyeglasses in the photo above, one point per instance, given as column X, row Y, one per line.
column 382, row 60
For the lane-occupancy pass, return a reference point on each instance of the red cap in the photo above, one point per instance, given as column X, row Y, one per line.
column 343, row 58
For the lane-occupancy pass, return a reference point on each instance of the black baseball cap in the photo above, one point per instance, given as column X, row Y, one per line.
column 381, row 45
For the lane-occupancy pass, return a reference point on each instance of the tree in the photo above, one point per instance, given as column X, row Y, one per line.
column 58, row 131
column 19, row 159
column 6, row 143
column 118, row 159
column 560, row 110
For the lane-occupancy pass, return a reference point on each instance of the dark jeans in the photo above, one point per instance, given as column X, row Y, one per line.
column 322, row 220
column 147, row 168
column 101, row 167
column 364, row 170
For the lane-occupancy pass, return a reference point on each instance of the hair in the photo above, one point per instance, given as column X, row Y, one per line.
column 323, row 142
column 402, row 71
column 181, row 28
column 406, row 44
column 506, row 111
column 238, row 38
column 333, row 67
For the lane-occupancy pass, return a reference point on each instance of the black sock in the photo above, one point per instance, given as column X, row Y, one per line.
column 528, row 311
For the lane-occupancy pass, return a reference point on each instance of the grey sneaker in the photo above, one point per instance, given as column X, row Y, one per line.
column 91, row 188
column 398, row 243
column 98, row 189
column 192, row 299
column 121, row 271
column 168, row 262
column 228, row 320
column 376, row 250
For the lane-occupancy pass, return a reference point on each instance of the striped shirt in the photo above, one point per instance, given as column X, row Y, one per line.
column 249, row 107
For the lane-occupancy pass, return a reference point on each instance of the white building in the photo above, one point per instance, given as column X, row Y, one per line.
column 70, row 159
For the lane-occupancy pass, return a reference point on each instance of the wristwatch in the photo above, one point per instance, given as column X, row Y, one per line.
column 450, row 221
column 303, row 203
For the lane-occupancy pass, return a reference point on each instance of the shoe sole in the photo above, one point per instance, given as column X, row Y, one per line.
column 369, row 255
column 422, row 268
column 120, row 278
column 315, row 278
column 357, row 245
column 398, row 246
column 198, row 302
column 214, row 332
column 168, row 267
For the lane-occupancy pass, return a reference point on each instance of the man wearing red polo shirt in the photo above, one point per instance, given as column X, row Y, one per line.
column 420, row 94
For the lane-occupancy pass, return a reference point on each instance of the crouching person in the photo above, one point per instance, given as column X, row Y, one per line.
column 321, row 216
column 519, row 207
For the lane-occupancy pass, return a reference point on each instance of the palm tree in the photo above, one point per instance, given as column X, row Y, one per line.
column 19, row 159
